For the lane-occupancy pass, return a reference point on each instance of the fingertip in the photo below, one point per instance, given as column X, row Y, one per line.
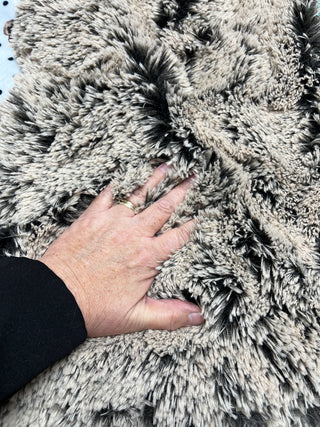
column 107, row 189
column 187, row 314
column 195, row 319
column 104, row 200
column 159, row 174
column 192, row 308
column 171, row 314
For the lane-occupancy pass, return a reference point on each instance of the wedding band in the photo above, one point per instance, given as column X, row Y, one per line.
column 127, row 203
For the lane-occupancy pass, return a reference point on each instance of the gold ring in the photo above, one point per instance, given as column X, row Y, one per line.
column 127, row 203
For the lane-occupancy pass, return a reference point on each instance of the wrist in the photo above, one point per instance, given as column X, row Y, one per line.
column 66, row 274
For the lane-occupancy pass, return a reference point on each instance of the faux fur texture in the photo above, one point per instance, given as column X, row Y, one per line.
column 226, row 89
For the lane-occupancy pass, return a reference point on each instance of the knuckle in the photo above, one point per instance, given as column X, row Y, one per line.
column 144, row 258
column 173, row 322
column 120, row 237
column 85, row 223
column 165, row 206
column 183, row 233
column 141, row 258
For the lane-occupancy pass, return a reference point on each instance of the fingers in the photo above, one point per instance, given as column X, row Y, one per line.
column 156, row 215
column 139, row 195
column 105, row 200
column 172, row 240
column 167, row 314
column 102, row 202
column 153, row 218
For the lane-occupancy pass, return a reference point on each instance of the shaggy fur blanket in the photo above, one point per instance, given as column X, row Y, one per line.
column 226, row 89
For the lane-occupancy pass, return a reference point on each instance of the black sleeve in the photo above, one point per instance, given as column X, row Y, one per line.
column 40, row 322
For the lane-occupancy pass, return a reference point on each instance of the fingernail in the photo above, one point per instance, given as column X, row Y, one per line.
column 195, row 319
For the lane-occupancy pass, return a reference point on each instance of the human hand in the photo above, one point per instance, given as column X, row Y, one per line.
column 108, row 259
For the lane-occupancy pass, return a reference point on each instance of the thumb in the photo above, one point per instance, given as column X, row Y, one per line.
column 169, row 314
